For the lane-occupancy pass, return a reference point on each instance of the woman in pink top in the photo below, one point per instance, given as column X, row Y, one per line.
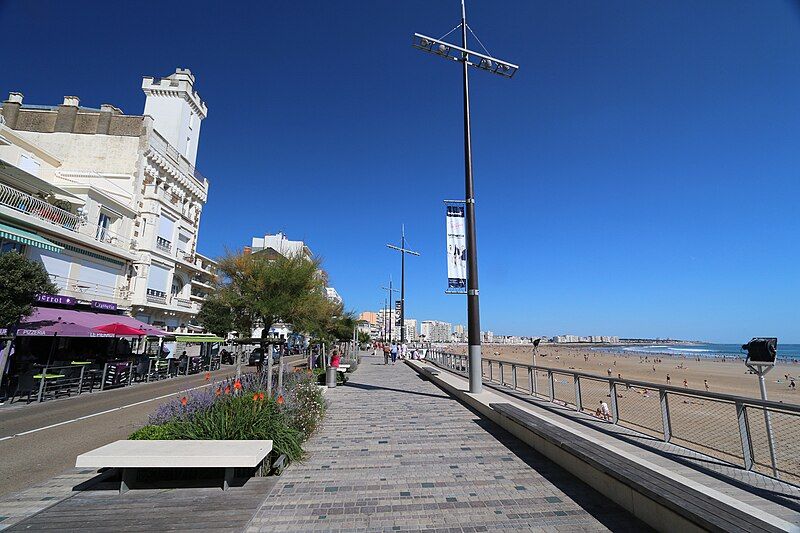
column 335, row 358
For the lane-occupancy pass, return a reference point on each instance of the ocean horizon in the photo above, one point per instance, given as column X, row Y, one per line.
column 786, row 352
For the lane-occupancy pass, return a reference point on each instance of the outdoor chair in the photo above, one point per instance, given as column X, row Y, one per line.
column 26, row 385
column 140, row 371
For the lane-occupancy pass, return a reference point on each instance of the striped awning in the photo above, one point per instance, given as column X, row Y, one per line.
column 26, row 237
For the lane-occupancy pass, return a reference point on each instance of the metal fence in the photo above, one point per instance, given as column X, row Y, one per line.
column 728, row 427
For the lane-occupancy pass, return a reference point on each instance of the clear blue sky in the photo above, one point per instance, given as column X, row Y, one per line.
column 638, row 177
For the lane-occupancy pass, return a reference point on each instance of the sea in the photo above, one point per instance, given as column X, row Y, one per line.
column 786, row 352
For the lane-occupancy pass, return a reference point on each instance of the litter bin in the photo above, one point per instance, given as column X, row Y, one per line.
column 330, row 377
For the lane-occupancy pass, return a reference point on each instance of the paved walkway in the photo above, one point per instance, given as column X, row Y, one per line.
column 398, row 454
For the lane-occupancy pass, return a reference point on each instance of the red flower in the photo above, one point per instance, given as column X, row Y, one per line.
column 227, row 389
column 184, row 400
column 208, row 376
column 255, row 397
column 237, row 385
column 280, row 399
column 260, row 395
column 219, row 391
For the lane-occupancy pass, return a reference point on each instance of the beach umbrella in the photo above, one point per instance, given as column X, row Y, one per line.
column 120, row 330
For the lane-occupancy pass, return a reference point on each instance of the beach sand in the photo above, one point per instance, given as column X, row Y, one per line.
column 730, row 376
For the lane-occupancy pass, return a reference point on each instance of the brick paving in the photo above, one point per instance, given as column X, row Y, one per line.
column 397, row 454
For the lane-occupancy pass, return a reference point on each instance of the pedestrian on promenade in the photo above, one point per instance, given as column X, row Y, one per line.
column 393, row 351
column 385, row 354
column 604, row 411
column 404, row 351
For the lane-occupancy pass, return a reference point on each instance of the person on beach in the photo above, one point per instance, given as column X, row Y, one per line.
column 685, row 384
column 609, row 372
column 705, row 384
column 605, row 412
column 668, row 380
column 792, row 385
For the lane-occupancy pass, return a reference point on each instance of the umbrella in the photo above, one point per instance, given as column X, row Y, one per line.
column 120, row 330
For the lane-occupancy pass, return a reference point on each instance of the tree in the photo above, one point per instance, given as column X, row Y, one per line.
column 363, row 337
column 265, row 290
column 216, row 315
column 21, row 279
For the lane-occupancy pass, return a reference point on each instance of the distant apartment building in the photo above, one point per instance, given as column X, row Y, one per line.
column 487, row 336
column 277, row 245
column 116, row 196
column 435, row 331
column 459, row 333
column 598, row 339
column 411, row 330
column 369, row 317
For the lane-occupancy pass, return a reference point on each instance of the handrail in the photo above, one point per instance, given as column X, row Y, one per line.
column 732, row 398
column 737, row 436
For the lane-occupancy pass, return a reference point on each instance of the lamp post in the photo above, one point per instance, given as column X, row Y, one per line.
column 389, row 308
column 403, row 251
column 488, row 63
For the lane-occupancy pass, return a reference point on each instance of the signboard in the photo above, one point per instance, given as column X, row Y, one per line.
column 103, row 306
column 456, row 250
column 398, row 306
column 56, row 299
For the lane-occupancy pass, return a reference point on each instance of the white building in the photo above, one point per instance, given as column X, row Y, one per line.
column 411, row 330
column 280, row 244
column 459, row 333
column 131, row 198
column 435, row 331
column 487, row 336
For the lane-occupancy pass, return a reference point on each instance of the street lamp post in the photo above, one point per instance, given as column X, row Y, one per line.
column 389, row 309
column 403, row 251
column 468, row 58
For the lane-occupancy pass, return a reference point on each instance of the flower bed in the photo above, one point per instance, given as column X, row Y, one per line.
column 241, row 410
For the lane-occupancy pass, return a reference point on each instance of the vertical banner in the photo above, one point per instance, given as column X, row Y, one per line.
column 456, row 250
column 398, row 305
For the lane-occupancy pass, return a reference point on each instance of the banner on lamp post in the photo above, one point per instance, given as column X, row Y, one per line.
column 398, row 306
column 456, row 249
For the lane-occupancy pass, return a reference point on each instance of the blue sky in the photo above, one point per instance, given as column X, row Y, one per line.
column 638, row 177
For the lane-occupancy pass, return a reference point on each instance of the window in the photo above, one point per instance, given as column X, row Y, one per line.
column 177, row 286
column 157, row 280
column 29, row 164
column 103, row 223
column 57, row 265
column 96, row 279
column 166, row 230
column 183, row 242
column 11, row 246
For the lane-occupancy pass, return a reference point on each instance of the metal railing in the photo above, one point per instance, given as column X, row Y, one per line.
column 38, row 208
column 163, row 244
column 81, row 289
column 160, row 145
column 724, row 426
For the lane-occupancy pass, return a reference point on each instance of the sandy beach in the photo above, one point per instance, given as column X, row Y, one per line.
column 729, row 376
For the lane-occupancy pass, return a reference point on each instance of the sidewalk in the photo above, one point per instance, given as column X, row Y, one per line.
column 396, row 453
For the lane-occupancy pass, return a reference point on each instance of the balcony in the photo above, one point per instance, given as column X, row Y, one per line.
column 181, row 302
column 85, row 290
column 160, row 145
column 50, row 214
column 156, row 297
column 164, row 245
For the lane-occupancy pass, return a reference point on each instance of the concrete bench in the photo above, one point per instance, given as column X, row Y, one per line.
column 130, row 455
column 693, row 505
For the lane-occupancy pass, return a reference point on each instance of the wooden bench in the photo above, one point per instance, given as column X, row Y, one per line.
column 130, row 455
column 692, row 504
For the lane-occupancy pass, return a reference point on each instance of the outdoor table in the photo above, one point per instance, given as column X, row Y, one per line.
column 48, row 376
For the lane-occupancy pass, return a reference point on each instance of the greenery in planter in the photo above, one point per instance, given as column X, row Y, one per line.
column 240, row 410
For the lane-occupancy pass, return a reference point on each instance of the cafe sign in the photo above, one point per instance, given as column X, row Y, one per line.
column 56, row 299
column 103, row 306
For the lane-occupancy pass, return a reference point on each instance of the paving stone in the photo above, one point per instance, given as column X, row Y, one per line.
column 407, row 457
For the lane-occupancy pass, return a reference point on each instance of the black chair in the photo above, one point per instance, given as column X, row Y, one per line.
column 26, row 384
column 141, row 369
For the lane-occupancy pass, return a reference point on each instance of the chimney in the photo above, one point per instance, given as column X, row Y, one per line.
column 11, row 109
column 104, row 121
column 67, row 113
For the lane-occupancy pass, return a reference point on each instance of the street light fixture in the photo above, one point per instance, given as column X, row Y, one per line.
column 389, row 308
column 503, row 68
column 403, row 251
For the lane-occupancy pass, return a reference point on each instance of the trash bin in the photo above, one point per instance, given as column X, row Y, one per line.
column 330, row 377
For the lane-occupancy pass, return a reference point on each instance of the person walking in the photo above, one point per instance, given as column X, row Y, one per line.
column 393, row 351
column 385, row 354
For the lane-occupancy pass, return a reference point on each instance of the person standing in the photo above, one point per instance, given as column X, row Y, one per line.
column 386, row 354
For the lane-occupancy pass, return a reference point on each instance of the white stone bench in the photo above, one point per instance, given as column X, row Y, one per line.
column 129, row 455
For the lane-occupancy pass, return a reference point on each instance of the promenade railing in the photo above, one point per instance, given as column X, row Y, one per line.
column 724, row 426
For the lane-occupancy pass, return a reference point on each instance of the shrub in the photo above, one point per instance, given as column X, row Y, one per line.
column 153, row 432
